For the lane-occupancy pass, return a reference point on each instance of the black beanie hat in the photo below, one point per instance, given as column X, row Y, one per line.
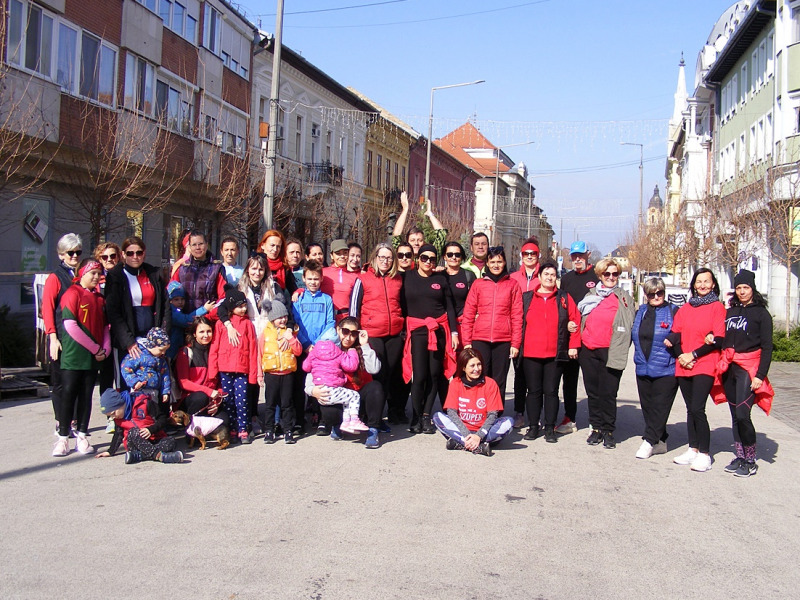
column 745, row 277
column 428, row 248
column 234, row 298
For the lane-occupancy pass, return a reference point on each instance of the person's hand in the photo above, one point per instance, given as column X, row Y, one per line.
column 709, row 339
column 297, row 293
column 233, row 335
column 55, row 347
column 144, row 433
column 322, row 393
column 573, row 353
column 472, row 441
column 101, row 355
column 467, row 346
column 165, row 398
column 572, row 327
column 756, row 383
column 134, row 351
column 215, row 394
column 686, row 360
column 667, row 343
column 454, row 341
column 428, row 211
column 363, row 337
column 138, row 385
column 513, row 353
column 404, row 200
column 209, row 306
column 261, row 382
column 283, row 342
column 102, row 455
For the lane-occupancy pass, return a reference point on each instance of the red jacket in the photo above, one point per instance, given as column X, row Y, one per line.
column 244, row 359
column 542, row 324
column 375, row 302
column 191, row 378
column 493, row 312
column 521, row 277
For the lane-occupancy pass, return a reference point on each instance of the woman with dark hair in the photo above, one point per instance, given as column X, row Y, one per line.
column 405, row 258
column 547, row 344
column 492, row 318
column 350, row 335
column 698, row 331
column 136, row 301
column 474, row 405
column 746, row 357
column 607, row 313
column 460, row 280
column 273, row 245
column 655, row 366
column 431, row 337
column 375, row 300
column 202, row 277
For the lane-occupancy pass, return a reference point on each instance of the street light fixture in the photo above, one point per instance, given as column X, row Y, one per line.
column 430, row 133
column 641, row 177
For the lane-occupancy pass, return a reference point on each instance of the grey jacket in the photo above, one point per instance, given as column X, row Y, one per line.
column 621, row 329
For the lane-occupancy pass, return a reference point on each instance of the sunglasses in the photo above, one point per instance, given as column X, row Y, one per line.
column 453, row 254
column 610, row 274
column 109, row 256
column 405, row 255
column 659, row 294
column 74, row 252
column 426, row 258
column 130, row 253
column 347, row 332
column 530, row 253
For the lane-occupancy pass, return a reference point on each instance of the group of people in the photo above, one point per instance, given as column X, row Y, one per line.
column 339, row 349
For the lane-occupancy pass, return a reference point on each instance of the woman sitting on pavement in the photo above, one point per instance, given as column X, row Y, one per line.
column 655, row 366
column 474, row 405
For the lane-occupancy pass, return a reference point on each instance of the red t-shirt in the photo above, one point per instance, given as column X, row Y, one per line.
column 338, row 284
column 599, row 324
column 474, row 403
column 694, row 323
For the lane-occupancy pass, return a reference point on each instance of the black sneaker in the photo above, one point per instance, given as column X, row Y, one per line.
column 594, row 438
column 608, row 441
column 484, row 449
column 297, row 431
column 453, row 445
column 288, row 438
column 278, row 429
column 550, row 435
column 734, row 465
column 415, row 427
column 132, row 457
column 322, row 430
column 746, row 469
column 172, row 457
column 269, row 437
column 531, row 434
column 427, row 425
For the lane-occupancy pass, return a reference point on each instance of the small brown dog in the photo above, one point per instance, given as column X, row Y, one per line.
column 221, row 434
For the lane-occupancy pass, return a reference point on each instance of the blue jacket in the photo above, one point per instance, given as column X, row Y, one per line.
column 180, row 321
column 313, row 314
column 153, row 370
column 661, row 363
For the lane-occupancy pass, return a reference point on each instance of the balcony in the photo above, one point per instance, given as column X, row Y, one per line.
column 323, row 173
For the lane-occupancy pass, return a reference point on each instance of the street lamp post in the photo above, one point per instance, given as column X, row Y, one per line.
column 641, row 177
column 430, row 133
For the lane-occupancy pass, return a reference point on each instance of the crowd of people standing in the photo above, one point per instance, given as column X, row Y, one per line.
column 349, row 347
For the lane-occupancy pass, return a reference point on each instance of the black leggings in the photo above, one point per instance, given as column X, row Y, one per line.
column 695, row 391
column 372, row 404
column 149, row 450
column 428, row 371
column 279, row 393
column 570, row 371
column 740, row 400
column 541, row 375
column 495, row 362
column 390, row 352
column 76, row 399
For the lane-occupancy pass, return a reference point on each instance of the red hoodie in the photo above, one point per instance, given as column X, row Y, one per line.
column 244, row 359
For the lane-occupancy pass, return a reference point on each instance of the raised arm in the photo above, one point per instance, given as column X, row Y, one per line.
column 401, row 220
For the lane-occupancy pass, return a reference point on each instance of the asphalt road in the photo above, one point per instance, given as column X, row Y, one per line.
column 324, row 519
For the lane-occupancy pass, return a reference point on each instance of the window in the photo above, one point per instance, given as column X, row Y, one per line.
column 328, row 140
column 281, row 121
column 402, row 185
column 795, row 35
column 769, row 54
column 97, row 69
column 742, row 152
column 139, row 77
column 165, row 11
column 298, row 139
column 755, row 82
column 396, row 176
column 768, row 134
column 745, row 84
column 135, row 222
column 752, row 153
column 30, row 37
column 760, row 140
column 173, row 109
column 369, row 168
column 379, row 172
column 358, row 168
column 388, row 173
column 67, row 49
column 151, row 4
column 212, row 29
column 343, row 151
column 209, row 130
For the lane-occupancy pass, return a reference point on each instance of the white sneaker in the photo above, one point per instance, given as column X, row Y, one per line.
column 566, row 427
column 61, row 447
column 645, row 450
column 83, row 446
column 702, row 463
column 660, row 448
column 686, row 458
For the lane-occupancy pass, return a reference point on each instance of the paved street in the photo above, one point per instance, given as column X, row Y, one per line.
column 324, row 519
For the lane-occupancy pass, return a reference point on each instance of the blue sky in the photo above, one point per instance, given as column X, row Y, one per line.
column 575, row 77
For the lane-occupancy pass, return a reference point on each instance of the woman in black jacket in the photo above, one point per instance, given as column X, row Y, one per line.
column 136, row 301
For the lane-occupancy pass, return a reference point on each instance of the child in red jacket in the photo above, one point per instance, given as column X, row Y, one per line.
column 236, row 365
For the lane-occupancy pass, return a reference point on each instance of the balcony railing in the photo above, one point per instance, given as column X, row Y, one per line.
column 324, row 173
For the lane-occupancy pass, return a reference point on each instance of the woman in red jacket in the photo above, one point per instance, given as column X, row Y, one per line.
column 698, row 330
column 492, row 318
column 375, row 301
column 201, row 394
column 546, row 344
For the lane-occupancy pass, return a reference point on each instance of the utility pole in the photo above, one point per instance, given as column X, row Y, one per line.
column 272, row 141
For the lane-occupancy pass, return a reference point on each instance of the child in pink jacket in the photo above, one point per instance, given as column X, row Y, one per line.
column 328, row 364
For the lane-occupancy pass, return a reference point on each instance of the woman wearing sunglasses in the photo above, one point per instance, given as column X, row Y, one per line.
column 375, row 301
column 460, row 279
column 655, row 366
column 70, row 249
column 607, row 313
column 136, row 301
column 432, row 337
column 492, row 319
column 108, row 254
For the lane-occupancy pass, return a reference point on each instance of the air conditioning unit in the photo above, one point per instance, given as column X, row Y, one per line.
column 315, row 132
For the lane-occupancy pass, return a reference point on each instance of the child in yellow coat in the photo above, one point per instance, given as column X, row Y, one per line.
column 279, row 349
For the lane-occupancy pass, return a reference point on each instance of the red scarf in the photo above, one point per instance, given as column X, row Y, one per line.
column 432, row 324
column 278, row 272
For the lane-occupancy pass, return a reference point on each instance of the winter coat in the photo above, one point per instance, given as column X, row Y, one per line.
column 558, row 310
column 242, row 359
column 153, row 370
column 375, row 301
column 274, row 360
column 328, row 364
column 620, row 329
column 661, row 362
column 192, row 378
column 493, row 312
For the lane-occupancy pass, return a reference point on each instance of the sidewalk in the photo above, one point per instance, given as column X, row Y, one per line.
column 785, row 378
column 333, row 520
